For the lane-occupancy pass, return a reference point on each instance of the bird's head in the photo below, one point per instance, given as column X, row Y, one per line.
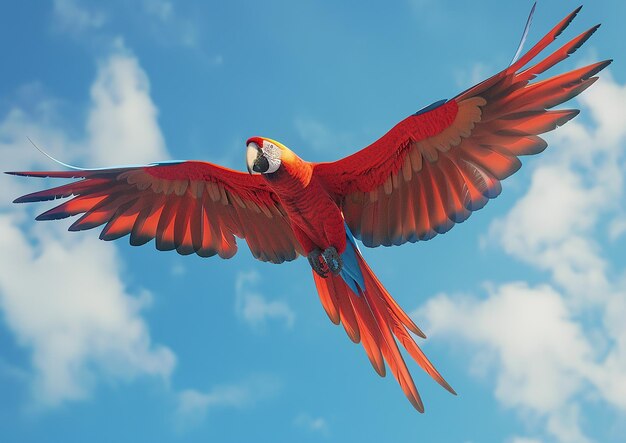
column 265, row 156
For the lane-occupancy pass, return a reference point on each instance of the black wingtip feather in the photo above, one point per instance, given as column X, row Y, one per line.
column 582, row 41
column 137, row 240
column 40, row 197
column 597, row 69
column 567, row 117
column 571, row 17
column 80, row 225
column 49, row 215
column 106, row 236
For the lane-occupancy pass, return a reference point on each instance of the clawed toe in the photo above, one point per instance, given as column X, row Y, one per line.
column 322, row 262
column 333, row 260
column 317, row 263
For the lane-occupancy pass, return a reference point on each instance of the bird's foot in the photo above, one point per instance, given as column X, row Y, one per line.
column 318, row 263
column 323, row 262
column 333, row 260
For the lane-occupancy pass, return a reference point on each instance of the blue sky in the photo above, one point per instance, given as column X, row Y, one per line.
column 523, row 304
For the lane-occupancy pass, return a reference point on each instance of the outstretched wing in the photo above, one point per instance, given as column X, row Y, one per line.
column 437, row 166
column 192, row 207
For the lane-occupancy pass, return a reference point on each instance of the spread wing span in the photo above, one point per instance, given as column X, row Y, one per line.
column 436, row 167
column 191, row 206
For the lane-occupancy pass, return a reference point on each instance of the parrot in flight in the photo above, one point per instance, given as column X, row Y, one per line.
column 429, row 172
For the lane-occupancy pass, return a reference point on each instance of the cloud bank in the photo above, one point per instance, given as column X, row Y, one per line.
column 62, row 295
column 554, row 347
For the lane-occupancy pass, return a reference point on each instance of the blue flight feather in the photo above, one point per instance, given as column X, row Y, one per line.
column 167, row 163
column 351, row 271
column 431, row 107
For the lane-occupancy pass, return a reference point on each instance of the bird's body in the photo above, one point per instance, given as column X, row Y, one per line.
column 315, row 217
column 429, row 172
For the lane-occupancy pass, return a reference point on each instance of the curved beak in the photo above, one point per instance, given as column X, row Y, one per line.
column 252, row 152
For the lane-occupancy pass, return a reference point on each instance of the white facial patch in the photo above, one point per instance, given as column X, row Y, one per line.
column 272, row 153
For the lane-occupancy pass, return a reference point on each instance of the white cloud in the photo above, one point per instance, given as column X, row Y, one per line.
column 253, row 308
column 122, row 125
column 548, row 229
column 555, row 349
column 194, row 405
column 74, row 17
column 61, row 294
column 63, row 299
column 310, row 423
column 528, row 337
column 555, row 226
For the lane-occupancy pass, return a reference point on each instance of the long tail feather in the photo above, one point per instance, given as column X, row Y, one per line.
column 372, row 317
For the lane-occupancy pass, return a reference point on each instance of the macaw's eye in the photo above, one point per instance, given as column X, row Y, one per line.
column 260, row 164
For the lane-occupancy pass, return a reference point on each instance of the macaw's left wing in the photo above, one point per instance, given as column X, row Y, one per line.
column 437, row 166
column 192, row 207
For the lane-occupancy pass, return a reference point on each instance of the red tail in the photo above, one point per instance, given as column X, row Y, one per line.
column 375, row 319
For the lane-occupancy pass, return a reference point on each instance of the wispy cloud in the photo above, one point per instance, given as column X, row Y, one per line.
column 72, row 16
column 313, row 424
column 161, row 9
column 466, row 78
column 171, row 27
column 178, row 269
column 319, row 137
column 163, row 21
column 617, row 228
column 62, row 295
column 253, row 308
column 533, row 338
column 194, row 405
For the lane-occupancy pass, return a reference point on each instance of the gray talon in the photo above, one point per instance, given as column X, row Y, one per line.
column 316, row 262
column 333, row 260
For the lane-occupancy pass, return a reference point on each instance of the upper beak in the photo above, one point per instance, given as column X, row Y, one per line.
column 252, row 153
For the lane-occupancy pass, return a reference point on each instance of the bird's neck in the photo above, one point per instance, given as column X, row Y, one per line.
column 292, row 177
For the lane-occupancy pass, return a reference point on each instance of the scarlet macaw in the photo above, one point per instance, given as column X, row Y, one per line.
column 430, row 171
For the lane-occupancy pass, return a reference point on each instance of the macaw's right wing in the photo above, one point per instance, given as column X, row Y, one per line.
column 190, row 206
column 437, row 166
